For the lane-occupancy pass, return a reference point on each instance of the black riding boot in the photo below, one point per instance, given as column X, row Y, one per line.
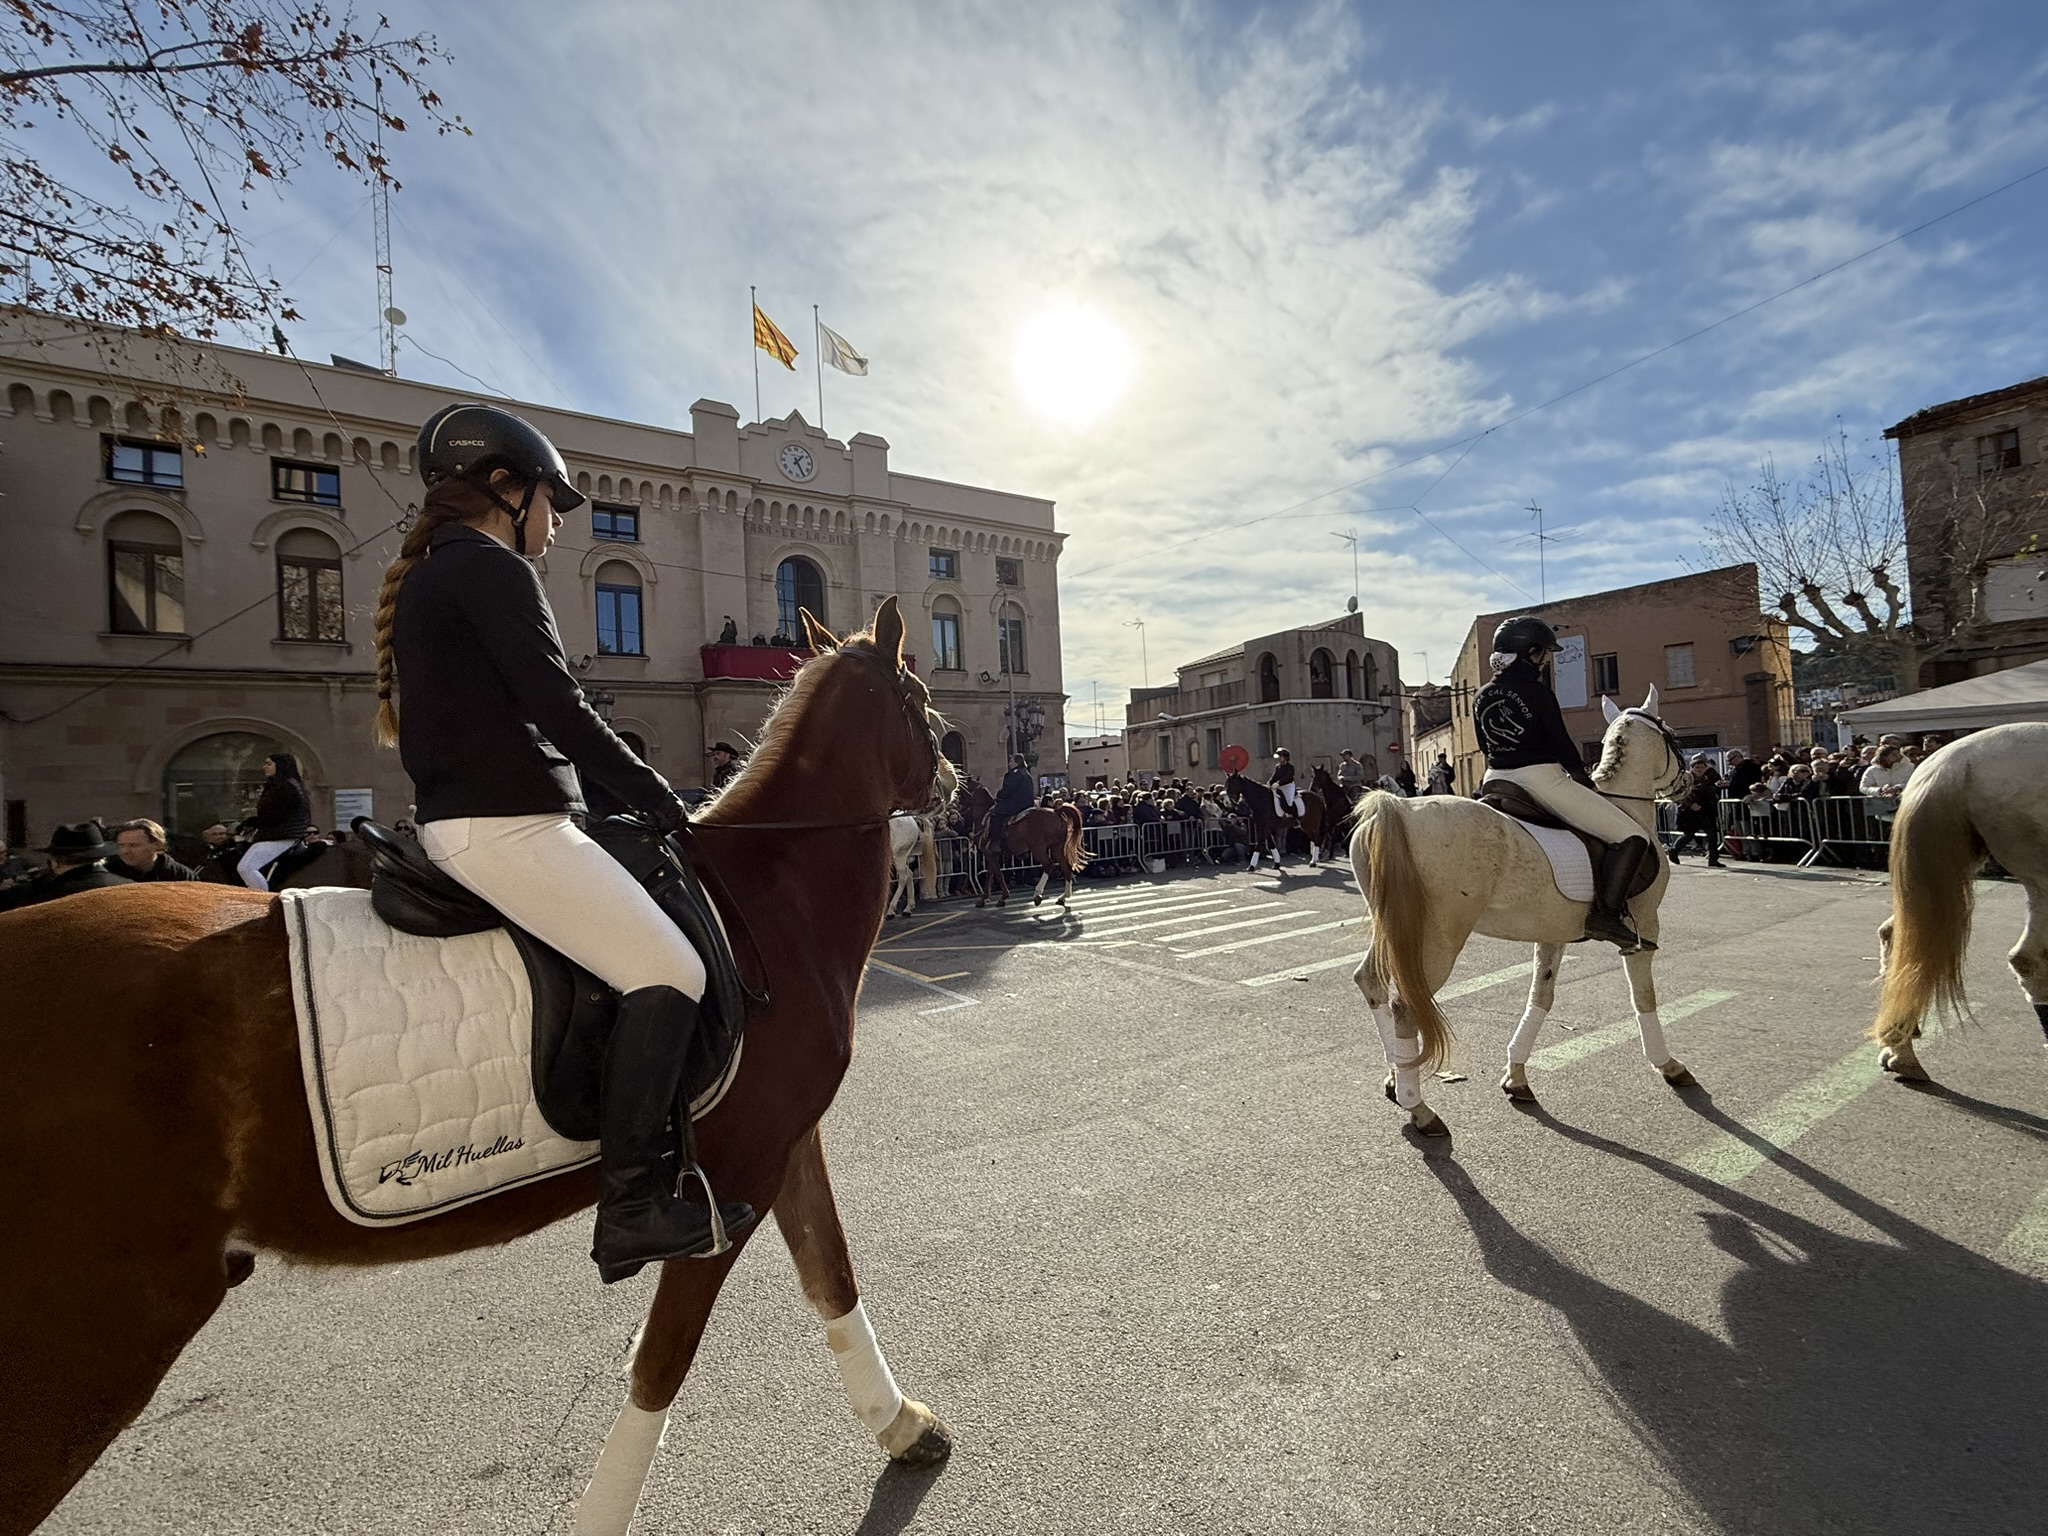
column 1609, row 918
column 640, row 1218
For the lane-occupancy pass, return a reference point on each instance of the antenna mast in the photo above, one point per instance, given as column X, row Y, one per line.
column 388, row 315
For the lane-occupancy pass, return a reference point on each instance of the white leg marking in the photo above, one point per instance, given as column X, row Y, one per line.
column 1654, row 1047
column 608, row 1503
column 1406, row 1065
column 1522, row 1044
column 1038, row 894
column 870, row 1388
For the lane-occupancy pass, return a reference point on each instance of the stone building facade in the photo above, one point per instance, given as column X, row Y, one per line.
column 1096, row 761
column 1721, row 666
column 1315, row 691
column 185, row 587
column 1973, row 474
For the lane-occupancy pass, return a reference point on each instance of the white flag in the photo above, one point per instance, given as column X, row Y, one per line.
column 839, row 351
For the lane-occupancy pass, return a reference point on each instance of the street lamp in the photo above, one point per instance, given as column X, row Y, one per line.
column 1023, row 724
column 604, row 701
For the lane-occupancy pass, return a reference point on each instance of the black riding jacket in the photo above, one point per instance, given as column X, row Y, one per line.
column 490, row 722
column 1017, row 793
column 1282, row 774
column 1520, row 725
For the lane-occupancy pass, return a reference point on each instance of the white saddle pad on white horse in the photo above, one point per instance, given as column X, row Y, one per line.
column 1570, row 865
column 417, row 1056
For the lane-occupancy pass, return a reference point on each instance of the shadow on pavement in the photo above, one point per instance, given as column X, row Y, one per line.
column 1864, row 1385
column 897, row 1494
column 1998, row 1114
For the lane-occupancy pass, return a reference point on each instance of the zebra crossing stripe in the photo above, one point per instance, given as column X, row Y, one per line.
column 1594, row 1041
column 1193, row 917
column 1250, row 922
column 2028, row 1242
column 1269, row 938
column 1081, row 915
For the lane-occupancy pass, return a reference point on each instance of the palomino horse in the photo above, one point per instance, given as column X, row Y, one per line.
column 1268, row 829
column 1051, row 838
column 1435, row 871
column 911, row 838
column 148, row 1145
column 1981, row 795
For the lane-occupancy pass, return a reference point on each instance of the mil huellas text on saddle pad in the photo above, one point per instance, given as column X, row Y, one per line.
column 417, row 1055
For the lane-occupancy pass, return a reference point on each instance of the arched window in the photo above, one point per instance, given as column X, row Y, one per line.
column 798, row 584
column 635, row 743
column 618, row 610
column 309, row 587
column 955, row 748
column 145, row 575
column 1269, row 678
column 1322, row 683
column 1371, row 678
column 946, row 652
column 1010, row 655
column 1351, row 676
column 216, row 778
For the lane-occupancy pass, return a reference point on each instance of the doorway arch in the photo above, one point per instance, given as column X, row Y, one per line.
column 215, row 778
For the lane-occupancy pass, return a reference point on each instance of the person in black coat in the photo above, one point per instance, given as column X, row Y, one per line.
column 1699, row 812
column 283, row 813
column 75, row 854
column 1017, row 794
column 139, row 854
column 498, row 739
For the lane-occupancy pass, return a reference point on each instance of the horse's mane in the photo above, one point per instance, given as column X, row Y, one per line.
column 1614, row 748
column 778, row 735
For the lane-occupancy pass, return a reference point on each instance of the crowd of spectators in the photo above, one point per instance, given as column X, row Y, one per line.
column 136, row 850
column 1795, row 802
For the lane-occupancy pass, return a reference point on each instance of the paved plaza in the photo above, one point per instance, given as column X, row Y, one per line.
column 1131, row 1214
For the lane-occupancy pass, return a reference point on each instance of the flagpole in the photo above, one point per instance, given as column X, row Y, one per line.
column 818, row 361
column 753, row 309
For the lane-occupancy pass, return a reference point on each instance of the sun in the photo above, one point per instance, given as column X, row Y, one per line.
column 1072, row 364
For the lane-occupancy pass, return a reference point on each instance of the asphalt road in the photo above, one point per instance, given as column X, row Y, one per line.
column 1132, row 1216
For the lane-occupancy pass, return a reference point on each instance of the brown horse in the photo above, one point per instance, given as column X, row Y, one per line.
column 161, row 1134
column 1050, row 837
column 343, row 863
column 1268, row 829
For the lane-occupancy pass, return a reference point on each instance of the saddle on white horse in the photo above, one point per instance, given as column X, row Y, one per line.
column 449, row 1055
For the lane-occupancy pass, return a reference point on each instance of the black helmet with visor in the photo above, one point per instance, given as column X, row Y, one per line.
column 1519, row 636
column 468, row 441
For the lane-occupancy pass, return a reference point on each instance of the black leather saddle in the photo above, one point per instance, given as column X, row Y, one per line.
column 1516, row 803
column 573, row 1011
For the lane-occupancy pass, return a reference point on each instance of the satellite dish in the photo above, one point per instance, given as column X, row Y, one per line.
column 1351, row 605
column 395, row 315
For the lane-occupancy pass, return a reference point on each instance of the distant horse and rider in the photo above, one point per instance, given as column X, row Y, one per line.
column 1010, row 824
column 1275, row 808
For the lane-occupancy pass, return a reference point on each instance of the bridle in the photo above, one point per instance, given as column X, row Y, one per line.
column 1674, row 755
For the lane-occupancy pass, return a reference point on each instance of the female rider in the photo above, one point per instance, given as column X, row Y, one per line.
column 282, row 816
column 494, row 735
column 1521, row 730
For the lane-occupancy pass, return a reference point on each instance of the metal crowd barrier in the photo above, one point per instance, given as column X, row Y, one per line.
column 1120, row 848
column 1833, row 829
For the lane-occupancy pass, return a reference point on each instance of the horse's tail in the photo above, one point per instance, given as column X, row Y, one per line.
column 928, row 859
column 1400, row 917
column 1076, row 854
column 1935, row 853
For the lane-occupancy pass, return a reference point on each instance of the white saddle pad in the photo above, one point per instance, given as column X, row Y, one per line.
column 1570, row 865
column 417, row 1056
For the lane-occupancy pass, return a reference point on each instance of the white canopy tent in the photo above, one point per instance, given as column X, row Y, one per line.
column 1998, row 698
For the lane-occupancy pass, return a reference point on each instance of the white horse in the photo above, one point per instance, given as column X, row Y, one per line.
column 911, row 839
column 1981, row 795
column 1436, row 870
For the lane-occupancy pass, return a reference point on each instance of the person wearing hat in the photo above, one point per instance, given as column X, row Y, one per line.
column 1522, row 732
column 75, row 853
column 498, row 739
column 1281, row 781
column 726, row 763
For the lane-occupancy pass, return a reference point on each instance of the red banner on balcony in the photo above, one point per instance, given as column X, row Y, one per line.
column 764, row 663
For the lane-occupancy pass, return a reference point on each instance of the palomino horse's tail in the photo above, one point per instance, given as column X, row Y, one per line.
column 1076, row 855
column 1935, row 853
column 1400, row 918
column 927, row 859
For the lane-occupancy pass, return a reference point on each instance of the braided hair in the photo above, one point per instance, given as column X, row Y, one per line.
column 452, row 501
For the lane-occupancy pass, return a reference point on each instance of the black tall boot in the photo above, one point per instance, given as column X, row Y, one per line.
column 1609, row 918
column 640, row 1218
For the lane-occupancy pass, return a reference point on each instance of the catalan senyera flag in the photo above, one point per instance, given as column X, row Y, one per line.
column 769, row 338
column 839, row 352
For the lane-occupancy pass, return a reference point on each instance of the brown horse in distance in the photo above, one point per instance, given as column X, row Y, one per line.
column 1051, row 838
column 161, row 1133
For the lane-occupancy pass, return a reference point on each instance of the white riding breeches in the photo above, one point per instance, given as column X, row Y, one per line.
column 250, row 867
column 1569, row 800
column 546, row 876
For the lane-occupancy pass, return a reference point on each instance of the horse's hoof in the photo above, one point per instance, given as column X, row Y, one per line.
column 1428, row 1122
column 1521, row 1093
column 1905, row 1069
column 1681, row 1078
column 238, row 1264
column 916, row 1437
column 1037, row 900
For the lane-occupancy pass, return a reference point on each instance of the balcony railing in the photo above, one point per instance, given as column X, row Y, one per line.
column 763, row 663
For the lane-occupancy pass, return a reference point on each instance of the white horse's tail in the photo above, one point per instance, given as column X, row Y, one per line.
column 928, row 859
column 1399, row 900
column 1935, row 852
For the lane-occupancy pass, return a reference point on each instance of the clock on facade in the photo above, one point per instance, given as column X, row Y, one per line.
column 796, row 461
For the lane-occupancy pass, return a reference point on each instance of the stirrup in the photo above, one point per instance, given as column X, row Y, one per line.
column 720, row 1243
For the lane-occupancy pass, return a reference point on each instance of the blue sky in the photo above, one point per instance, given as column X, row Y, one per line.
column 1333, row 237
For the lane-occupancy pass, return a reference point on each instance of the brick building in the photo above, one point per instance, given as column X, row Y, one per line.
column 1314, row 691
column 184, row 588
column 1722, row 668
column 1974, row 478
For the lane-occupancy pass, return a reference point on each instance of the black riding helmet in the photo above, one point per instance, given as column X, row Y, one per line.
column 468, row 441
column 1518, row 636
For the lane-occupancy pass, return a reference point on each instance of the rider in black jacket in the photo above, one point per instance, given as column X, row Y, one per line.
column 1522, row 732
column 495, row 733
